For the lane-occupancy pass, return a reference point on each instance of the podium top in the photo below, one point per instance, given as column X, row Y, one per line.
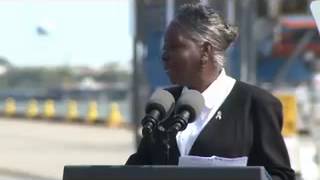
column 163, row 173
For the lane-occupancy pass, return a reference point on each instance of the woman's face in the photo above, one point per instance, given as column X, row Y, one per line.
column 181, row 56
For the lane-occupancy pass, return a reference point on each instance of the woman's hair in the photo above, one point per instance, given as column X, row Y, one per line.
column 203, row 23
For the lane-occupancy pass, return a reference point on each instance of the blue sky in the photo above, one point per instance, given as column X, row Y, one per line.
column 80, row 32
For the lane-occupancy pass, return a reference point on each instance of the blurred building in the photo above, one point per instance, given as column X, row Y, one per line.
column 278, row 47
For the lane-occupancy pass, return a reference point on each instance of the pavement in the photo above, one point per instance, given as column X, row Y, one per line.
column 38, row 149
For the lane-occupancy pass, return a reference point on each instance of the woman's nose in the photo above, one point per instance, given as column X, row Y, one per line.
column 165, row 61
column 164, row 57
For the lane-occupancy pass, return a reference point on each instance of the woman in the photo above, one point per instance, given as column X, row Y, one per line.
column 238, row 120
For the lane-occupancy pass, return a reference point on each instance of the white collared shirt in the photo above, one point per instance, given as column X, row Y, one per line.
column 214, row 96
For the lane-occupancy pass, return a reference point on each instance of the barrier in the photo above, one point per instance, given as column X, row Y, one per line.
column 289, row 130
column 115, row 118
column 49, row 109
column 10, row 107
column 32, row 110
column 72, row 111
column 92, row 113
column 289, row 107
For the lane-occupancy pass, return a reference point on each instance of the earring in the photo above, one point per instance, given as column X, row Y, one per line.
column 204, row 59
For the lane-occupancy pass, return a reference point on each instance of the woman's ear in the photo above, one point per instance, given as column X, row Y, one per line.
column 206, row 52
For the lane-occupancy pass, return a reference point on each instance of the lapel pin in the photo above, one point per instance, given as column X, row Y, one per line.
column 219, row 115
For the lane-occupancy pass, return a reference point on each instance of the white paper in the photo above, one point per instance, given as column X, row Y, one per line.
column 213, row 161
column 221, row 161
column 195, row 161
column 315, row 9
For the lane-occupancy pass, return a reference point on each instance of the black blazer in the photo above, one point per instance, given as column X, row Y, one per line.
column 250, row 125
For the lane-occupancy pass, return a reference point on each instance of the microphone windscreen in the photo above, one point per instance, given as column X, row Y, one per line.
column 192, row 101
column 161, row 100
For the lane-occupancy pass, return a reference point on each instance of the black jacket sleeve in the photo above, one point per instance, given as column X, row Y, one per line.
column 142, row 156
column 268, row 146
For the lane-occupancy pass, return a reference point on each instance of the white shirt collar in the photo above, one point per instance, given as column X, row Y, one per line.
column 216, row 89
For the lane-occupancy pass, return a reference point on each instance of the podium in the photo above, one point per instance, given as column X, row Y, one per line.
column 164, row 173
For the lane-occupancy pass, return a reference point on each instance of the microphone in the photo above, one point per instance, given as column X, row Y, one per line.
column 160, row 105
column 188, row 108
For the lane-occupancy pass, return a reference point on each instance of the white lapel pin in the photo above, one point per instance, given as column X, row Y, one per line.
column 219, row 115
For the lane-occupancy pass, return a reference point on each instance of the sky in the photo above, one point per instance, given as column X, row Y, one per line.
column 66, row 32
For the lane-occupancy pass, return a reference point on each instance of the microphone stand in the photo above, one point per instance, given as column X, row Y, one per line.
column 165, row 139
column 167, row 146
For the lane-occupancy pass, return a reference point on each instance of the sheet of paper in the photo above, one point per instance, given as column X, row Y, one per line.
column 213, row 161
column 315, row 9
column 221, row 161
column 195, row 161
